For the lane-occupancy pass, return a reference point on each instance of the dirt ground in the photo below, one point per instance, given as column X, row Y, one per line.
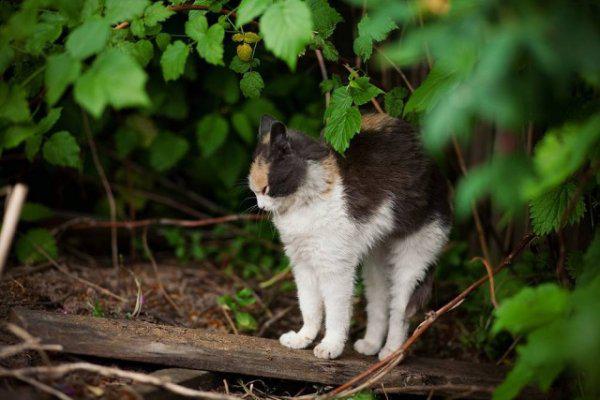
column 192, row 291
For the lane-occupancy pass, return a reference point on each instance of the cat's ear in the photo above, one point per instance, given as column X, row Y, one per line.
column 279, row 137
column 266, row 121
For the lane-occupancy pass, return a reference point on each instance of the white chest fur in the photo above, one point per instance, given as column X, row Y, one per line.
column 323, row 232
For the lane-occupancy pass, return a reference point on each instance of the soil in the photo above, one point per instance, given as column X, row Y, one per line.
column 194, row 290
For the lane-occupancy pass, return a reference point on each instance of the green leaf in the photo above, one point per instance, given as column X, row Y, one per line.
column 211, row 133
column 547, row 209
column 61, row 71
column 173, row 60
column 432, row 90
column 125, row 141
column 362, row 91
column 34, row 142
column 561, row 152
column 15, row 135
column 287, row 27
column 239, row 66
column 27, row 247
column 252, row 84
column 242, row 125
column 138, row 28
column 324, row 17
column 33, row 212
column 394, row 101
column 330, row 53
column 342, row 120
column 88, row 39
column 156, row 13
column 196, row 26
column 46, row 31
column 372, row 30
column 531, row 308
column 162, row 40
column 210, row 44
column 62, row 149
column 124, row 10
column 166, row 151
column 513, row 171
column 250, row 9
column 245, row 321
column 6, row 56
column 13, row 103
column 114, row 79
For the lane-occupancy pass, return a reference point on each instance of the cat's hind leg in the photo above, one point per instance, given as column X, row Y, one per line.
column 410, row 259
column 375, row 274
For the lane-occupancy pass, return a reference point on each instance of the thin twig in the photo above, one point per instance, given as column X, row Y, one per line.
column 114, row 246
column 86, row 223
column 33, row 341
column 398, row 70
column 161, row 287
column 63, row 369
column 476, row 217
column 490, row 273
column 9, row 351
column 280, row 276
column 324, row 75
column 14, row 204
column 229, row 320
column 383, row 365
column 75, row 277
column 38, row 385
column 279, row 315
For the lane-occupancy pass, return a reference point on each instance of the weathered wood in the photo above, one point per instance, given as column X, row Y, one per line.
column 197, row 349
column 192, row 378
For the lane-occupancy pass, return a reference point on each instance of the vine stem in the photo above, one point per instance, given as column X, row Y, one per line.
column 374, row 373
column 114, row 245
column 190, row 7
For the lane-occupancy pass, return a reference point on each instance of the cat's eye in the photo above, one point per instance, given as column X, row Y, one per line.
column 265, row 190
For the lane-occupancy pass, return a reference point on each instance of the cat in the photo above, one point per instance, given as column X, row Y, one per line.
column 383, row 203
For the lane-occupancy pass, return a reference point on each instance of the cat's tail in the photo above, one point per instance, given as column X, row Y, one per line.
column 421, row 294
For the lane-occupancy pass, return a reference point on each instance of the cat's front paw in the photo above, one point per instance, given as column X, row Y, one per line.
column 294, row 341
column 329, row 350
column 363, row 346
column 385, row 352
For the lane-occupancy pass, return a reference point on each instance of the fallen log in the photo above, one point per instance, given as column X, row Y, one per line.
column 197, row 349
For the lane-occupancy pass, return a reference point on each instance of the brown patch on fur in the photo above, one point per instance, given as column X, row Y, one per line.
column 266, row 138
column 375, row 122
column 333, row 172
column 259, row 174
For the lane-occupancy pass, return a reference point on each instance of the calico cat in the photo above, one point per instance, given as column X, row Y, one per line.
column 383, row 204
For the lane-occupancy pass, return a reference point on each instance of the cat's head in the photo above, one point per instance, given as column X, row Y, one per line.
column 288, row 166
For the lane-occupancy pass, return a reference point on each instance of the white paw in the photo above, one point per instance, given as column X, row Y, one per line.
column 329, row 349
column 386, row 351
column 365, row 347
column 294, row 341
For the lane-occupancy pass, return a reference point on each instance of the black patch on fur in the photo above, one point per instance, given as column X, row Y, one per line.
column 391, row 163
column 287, row 153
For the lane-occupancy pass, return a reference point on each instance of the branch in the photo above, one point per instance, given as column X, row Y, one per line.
column 87, row 223
column 323, row 69
column 14, row 203
column 64, row 369
column 189, row 7
column 378, row 370
column 114, row 246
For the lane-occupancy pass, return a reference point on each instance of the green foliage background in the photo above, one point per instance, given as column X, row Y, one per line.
column 173, row 91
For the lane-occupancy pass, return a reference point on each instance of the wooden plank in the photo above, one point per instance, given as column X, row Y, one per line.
column 198, row 349
column 192, row 378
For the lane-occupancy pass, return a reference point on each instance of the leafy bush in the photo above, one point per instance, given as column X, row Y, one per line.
column 175, row 90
